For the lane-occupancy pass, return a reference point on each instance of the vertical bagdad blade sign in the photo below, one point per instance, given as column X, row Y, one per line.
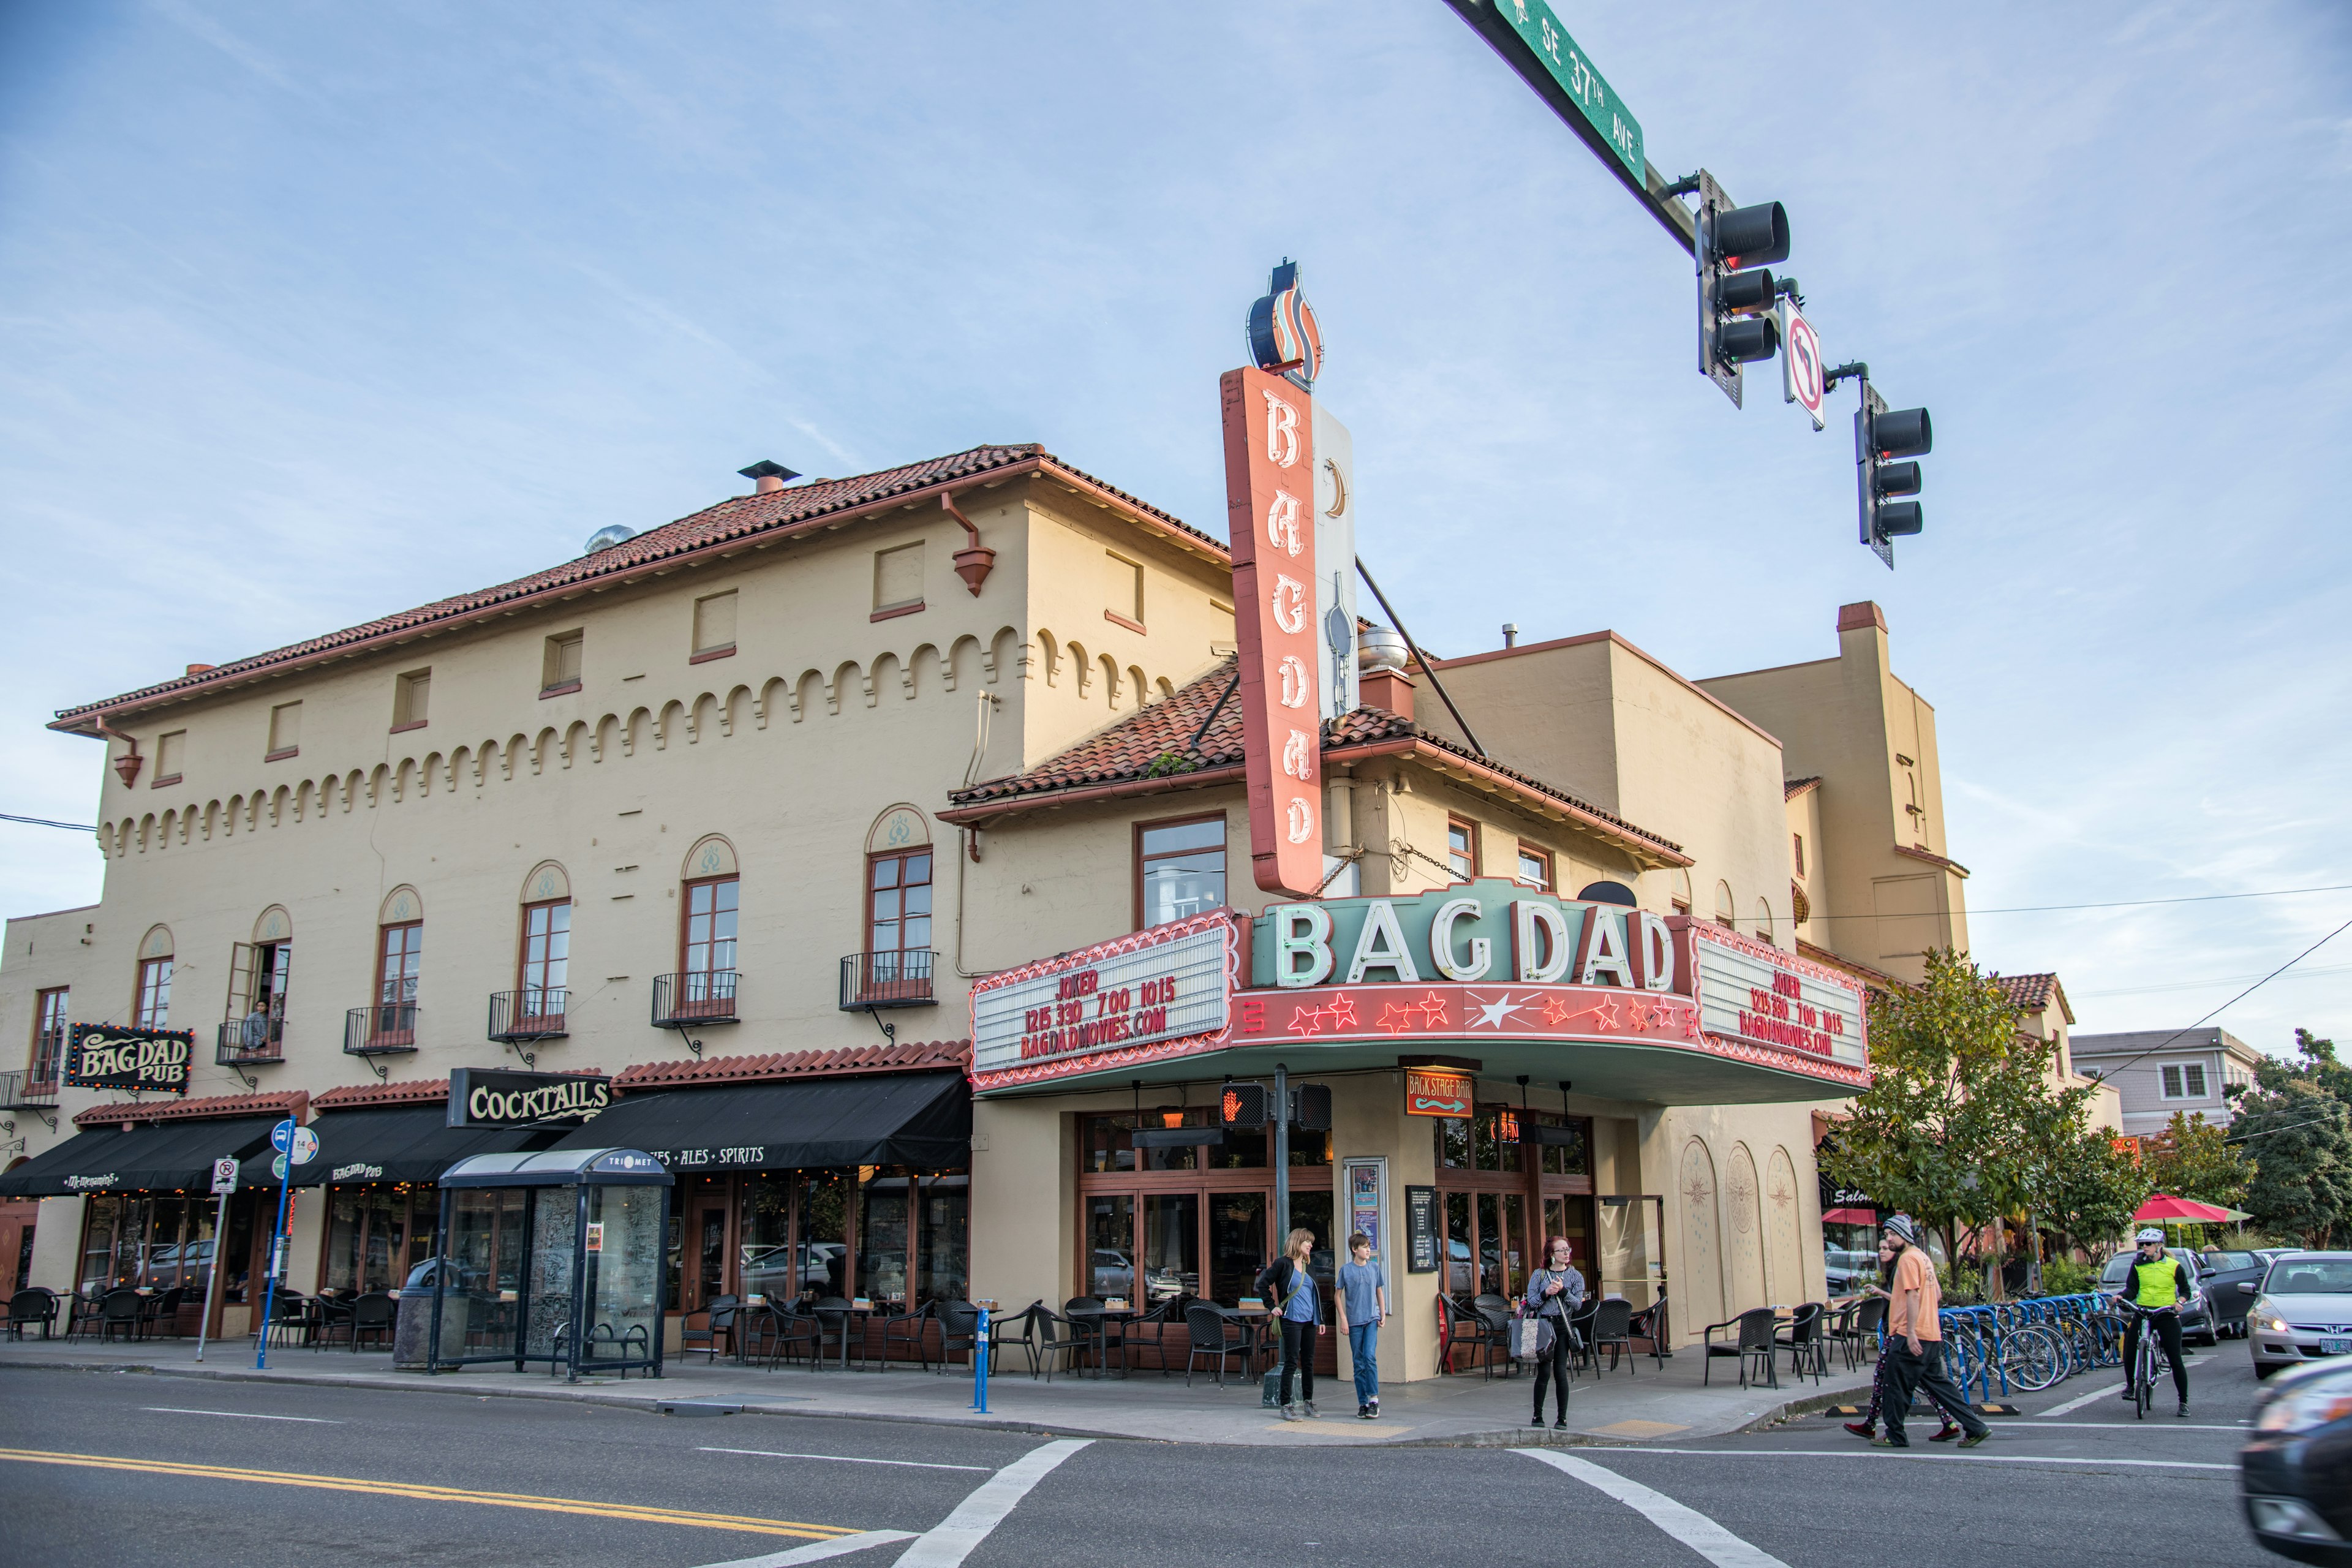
column 1292, row 526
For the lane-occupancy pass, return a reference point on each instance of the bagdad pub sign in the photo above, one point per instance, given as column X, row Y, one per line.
column 494, row 1097
column 114, row 1056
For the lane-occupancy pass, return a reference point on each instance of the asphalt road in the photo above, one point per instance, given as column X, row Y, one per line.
column 131, row 1470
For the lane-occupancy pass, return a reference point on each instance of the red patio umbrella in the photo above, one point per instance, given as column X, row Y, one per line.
column 2161, row 1207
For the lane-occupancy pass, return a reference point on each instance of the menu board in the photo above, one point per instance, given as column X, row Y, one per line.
column 1421, row 1230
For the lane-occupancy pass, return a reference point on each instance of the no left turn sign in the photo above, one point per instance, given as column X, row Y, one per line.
column 1800, row 363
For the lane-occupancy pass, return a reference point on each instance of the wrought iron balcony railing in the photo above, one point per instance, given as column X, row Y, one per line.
column 900, row 979
column 256, row 1038
column 20, row 1090
column 380, row 1029
column 701, row 997
column 534, row 1012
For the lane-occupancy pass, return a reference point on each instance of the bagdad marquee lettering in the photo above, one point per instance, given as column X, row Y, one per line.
column 111, row 1056
column 492, row 1096
column 1489, row 931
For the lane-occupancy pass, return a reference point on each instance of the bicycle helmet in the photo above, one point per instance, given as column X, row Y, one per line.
column 2148, row 1234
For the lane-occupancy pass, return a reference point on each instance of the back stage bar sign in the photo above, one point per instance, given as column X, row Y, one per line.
column 493, row 1097
column 1430, row 1093
column 113, row 1056
column 1074, row 1013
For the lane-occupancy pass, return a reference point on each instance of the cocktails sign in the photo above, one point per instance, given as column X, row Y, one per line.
column 113, row 1056
column 493, row 1097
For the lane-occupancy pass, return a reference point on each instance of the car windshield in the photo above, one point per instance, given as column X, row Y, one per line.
column 2117, row 1269
column 2216, row 1261
column 2310, row 1276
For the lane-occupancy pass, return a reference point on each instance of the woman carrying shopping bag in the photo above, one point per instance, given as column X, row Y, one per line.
column 1555, row 1294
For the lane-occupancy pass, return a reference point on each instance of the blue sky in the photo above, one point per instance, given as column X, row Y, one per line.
column 310, row 312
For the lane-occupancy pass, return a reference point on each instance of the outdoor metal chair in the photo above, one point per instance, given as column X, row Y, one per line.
column 158, row 1311
column 371, row 1314
column 911, row 1328
column 1579, row 1337
column 1858, row 1329
column 1056, row 1335
column 1755, row 1330
column 1082, row 1315
column 1494, row 1315
column 1149, row 1331
column 782, row 1329
column 328, row 1314
column 1015, row 1330
column 289, row 1318
column 837, row 1325
column 1650, row 1324
column 1611, row 1330
column 81, row 1313
column 122, row 1310
column 718, row 1323
column 30, row 1306
column 959, row 1328
column 1212, row 1332
column 1455, row 1326
column 1808, row 1350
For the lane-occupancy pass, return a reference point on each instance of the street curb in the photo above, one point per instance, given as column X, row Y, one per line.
column 1804, row 1407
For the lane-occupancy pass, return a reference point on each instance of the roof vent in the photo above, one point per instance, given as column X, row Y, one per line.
column 1510, row 633
column 768, row 476
column 606, row 537
column 1379, row 649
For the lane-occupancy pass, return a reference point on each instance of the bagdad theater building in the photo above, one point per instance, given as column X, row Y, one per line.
column 921, row 864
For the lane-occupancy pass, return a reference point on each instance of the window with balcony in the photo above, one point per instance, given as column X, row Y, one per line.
column 255, row 1028
column 389, row 1022
column 1461, row 847
column 706, row 979
column 49, row 1035
column 1180, row 869
column 896, row 967
column 559, row 665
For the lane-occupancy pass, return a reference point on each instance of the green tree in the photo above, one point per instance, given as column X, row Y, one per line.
column 2090, row 1187
column 2300, row 1139
column 2193, row 1159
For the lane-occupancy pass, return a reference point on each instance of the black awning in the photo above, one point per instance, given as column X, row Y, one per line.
column 394, row 1144
column 167, row 1156
column 922, row 1120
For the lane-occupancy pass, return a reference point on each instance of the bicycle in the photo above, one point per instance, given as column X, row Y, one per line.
column 2149, row 1361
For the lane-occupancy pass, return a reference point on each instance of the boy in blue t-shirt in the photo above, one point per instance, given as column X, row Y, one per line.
column 1363, row 1304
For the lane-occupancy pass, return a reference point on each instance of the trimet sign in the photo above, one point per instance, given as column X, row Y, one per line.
column 1483, row 960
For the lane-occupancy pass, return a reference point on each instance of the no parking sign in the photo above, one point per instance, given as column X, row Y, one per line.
column 1800, row 363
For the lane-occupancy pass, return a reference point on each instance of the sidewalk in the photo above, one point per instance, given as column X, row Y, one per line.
column 1646, row 1403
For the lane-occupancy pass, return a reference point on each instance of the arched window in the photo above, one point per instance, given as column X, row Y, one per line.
column 259, row 973
column 151, row 1005
column 1727, row 913
column 709, row 896
column 897, row 963
column 399, row 963
column 541, row 982
column 1763, row 920
column 1679, row 891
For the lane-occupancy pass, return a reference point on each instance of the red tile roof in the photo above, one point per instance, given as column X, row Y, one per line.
column 1153, row 744
column 912, row 1056
column 729, row 523
column 2034, row 993
column 292, row 1104
column 1792, row 788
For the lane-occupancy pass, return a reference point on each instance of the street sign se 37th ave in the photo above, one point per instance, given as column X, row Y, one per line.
column 1572, row 68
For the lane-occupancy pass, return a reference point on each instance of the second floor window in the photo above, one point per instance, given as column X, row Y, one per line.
column 2184, row 1081
column 49, row 1034
column 709, row 937
column 899, row 907
column 546, row 954
column 153, row 1007
column 258, row 974
column 560, row 667
column 1535, row 868
column 1461, row 847
column 400, row 958
column 1180, row 869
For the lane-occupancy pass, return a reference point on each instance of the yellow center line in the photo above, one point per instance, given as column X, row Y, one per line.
column 426, row 1492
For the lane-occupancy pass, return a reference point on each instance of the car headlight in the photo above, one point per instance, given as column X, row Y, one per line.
column 2304, row 1406
column 2265, row 1316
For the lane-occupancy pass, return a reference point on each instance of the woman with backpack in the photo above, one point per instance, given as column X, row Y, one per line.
column 1290, row 1291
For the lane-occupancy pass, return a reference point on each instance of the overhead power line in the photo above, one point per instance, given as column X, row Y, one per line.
column 2117, row 904
column 45, row 822
column 2107, row 1071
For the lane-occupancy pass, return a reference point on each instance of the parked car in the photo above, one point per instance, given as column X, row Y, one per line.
column 2198, row 1320
column 1112, row 1272
column 1848, row 1271
column 2302, row 1312
column 2224, row 1272
column 2294, row 1477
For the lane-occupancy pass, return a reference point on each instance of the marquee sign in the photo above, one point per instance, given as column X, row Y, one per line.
column 1751, row 991
column 1074, row 1013
column 114, row 1056
column 1486, row 930
column 1270, row 516
column 493, row 1097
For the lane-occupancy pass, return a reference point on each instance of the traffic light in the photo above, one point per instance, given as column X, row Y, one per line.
column 1734, row 248
column 1881, row 437
column 1242, row 1105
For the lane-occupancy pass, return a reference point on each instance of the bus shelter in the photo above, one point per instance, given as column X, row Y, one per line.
column 553, row 1257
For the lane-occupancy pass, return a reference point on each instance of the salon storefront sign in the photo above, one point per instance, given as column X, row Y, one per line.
column 114, row 1056
column 1078, row 1010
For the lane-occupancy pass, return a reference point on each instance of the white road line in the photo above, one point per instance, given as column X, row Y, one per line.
column 947, row 1543
column 2151, row 1426
column 1687, row 1525
column 845, row 1460
column 2111, row 1391
column 1970, row 1458
column 240, row 1415
column 818, row 1551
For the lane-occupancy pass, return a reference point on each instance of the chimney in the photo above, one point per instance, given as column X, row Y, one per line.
column 767, row 476
column 200, row 669
column 1386, row 688
column 1510, row 633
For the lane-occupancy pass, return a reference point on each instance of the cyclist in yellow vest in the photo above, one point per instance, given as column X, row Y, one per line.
column 2156, row 1286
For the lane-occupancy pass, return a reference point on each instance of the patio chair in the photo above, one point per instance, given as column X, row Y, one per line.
column 1015, row 1330
column 1212, row 1332
column 836, row 1324
column 1579, row 1337
column 1056, row 1335
column 1494, row 1316
column 28, row 1307
column 1149, row 1331
column 1455, row 1327
column 329, row 1313
column 1082, row 1315
column 1857, row 1330
column 1753, row 1332
column 289, row 1318
column 159, row 1310
column 1611, row 1330
column 718, row 1323
column 1808, row 1350
column 911, row 1328
column 371, row 1314
column 959, row 1328
column 81, row 1313
column 120, row 1310
column 1651, row 1324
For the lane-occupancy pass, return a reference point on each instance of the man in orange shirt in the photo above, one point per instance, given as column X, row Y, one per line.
column 1916, row 1362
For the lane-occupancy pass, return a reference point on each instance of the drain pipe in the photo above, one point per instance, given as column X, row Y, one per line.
column 128, row 764
column 974, row 562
